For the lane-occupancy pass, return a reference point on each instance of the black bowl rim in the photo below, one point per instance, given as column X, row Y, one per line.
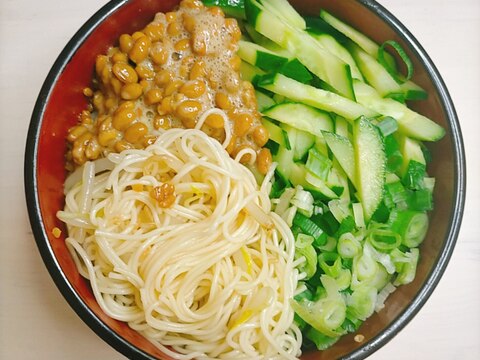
column 133, row 352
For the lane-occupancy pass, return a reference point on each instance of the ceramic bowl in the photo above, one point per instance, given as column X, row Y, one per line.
column 61, row 100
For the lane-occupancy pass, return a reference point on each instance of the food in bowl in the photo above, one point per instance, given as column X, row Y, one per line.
column 345, row 172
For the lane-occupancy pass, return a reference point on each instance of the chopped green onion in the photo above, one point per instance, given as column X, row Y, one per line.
column 407, row 270
column 309, row 267
column 310, row 228
column 346, row 226
column 303, row 200
column 394, row 155
column 388, row 125
column 351, row 324
column 361, row 303
column 320, row 340
column 403, row 55
column 330, row 263
column 364, row 266
column 318, row 164
column 420, row 200
column 410, row 225
column 382, row 213
column 358, row 215
column 330, row 245
column 384, row 239
column 339, row 209
column 326, row 314
column 413, row 178
column 395, row 195
column 348, row 246
column 303, row 240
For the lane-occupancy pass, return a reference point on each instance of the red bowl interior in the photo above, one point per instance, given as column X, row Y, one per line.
column 64, row 101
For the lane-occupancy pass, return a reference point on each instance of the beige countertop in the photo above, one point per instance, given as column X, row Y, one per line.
column 35, row 320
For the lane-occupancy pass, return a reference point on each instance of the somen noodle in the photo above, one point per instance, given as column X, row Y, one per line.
column 209, row 275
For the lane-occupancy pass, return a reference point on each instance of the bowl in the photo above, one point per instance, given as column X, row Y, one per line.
column 61, row 100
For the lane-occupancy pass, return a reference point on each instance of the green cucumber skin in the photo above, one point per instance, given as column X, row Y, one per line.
column 370, row 161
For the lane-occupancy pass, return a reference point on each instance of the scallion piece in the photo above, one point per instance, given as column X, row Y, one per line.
column 330, row 263
column 420, row 200
column 310, row 228
column 388, row 125
column 394, row 155
column 407, row 270
column 318, row 164
column 403, row 55
column 348, row 246
column 413, row 178
column 320, row 340
column 410, row 225
column 395, row 195
column 309, row 267
column 361, row 303
column 384, row 239
column 326, row 314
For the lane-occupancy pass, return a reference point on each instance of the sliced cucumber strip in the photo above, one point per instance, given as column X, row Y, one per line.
column 249, row 72
column 285, row 11
column 329, row 43
column 302, row 117
column 259, row 56
column 370, row 161
column 368, row 45
column 375, row 74
column 263, row 101
column 321, row 99
column 277, row 134
column 410, row 123
column 326, row 66
column 342, row 150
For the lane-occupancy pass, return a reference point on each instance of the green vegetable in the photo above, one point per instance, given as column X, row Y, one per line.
column 351, row 177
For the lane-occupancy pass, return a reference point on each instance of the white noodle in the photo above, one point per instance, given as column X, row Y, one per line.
column 210, row 277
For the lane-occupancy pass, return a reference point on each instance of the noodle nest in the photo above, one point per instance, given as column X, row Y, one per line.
column 208, row 277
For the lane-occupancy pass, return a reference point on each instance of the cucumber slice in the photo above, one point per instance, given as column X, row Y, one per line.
column 284, row 159
column 301, row 142
column 370, row 164
column 326, row 66
column 342, row 150
column 341, row 127
column 329, row 43
column 412, row 91
column 411, row 150
column 368, row 45
column 250, row 72
column 409, row 122
column 285, row 11
column 375, row 74
column 318, row 98
column 266, row 42
column 260, row 57
column 302, row 117
column 233, row 8
column 277, row 134
column 263, row 101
